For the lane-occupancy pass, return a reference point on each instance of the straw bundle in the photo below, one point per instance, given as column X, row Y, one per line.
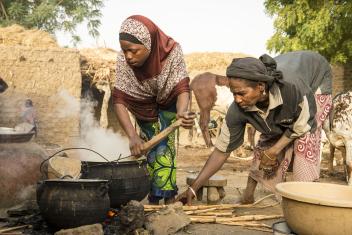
column 18, row 35
column 99, row 64
column 215, row 62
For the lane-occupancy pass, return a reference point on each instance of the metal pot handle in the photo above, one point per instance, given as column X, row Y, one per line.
column 42, row 164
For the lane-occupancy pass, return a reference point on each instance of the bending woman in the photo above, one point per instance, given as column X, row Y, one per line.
column 153, row 84
column 287, row 107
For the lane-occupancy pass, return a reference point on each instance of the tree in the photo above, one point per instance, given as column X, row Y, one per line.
column 52, row 15
column 324, row 26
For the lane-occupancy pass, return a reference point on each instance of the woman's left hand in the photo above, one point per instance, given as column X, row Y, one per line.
column 187, row 119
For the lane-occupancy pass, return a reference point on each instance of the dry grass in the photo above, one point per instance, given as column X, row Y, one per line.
column 99, row 64
column 215, row 62
column 17, row 35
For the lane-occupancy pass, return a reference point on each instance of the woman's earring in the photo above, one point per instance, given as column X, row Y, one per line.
column 264, row 93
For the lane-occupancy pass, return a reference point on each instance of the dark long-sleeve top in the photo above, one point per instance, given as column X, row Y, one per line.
column 290, row 112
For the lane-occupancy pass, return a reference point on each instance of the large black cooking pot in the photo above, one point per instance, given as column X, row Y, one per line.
column 128, row 180
column 66, row 203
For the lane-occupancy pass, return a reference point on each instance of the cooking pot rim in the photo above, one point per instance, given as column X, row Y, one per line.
column 77, row 180
column 117, row 163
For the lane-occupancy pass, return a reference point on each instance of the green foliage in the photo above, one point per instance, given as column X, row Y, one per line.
column 52, row 15
column 320, row 25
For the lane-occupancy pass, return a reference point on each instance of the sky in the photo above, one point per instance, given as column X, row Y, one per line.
column 198, row 25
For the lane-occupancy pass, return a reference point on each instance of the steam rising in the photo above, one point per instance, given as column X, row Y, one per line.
column 104, row 141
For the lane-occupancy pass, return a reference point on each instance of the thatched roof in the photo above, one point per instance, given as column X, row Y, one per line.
column 17, row 35
column 99, row 64
column 215, row 62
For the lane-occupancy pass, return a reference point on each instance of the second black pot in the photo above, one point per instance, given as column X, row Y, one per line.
column 128, row 180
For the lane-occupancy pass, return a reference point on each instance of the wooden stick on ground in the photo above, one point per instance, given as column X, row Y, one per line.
column 216, row 213
column 259, row 229
column 270, row 205
column 199, row 211
column 12, row 233
column 13, row 228
column 248, row 224
column 250, row 218
column 214, row 219
column 262, row 199
column 203, row 207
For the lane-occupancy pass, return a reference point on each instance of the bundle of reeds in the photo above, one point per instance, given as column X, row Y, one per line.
column 225, row 214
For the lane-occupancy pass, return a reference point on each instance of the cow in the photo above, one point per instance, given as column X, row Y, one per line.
column 203, row 87
column 338, row 130
column 211, row 92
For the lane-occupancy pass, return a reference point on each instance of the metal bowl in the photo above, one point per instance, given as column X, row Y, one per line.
column 10, row 135
column 317, row 208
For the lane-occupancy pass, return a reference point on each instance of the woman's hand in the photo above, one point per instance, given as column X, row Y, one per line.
column 268, row 159
column 187, row 119
column 269, row 163
column 186, row 197
column 136, row 145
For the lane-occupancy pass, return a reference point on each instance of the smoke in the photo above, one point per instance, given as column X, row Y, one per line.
column 71, row 105
column 106, row 142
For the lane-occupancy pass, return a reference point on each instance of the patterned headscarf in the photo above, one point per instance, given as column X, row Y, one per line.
column 156, row 85
column 140, row 29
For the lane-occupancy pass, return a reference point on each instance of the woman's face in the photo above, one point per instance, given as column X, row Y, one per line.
column 135, row 54
column 244, row 94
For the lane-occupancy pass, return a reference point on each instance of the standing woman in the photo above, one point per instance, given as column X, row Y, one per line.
column 152, row 83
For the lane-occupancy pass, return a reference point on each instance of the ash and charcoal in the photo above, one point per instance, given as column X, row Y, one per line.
column 127, row 220
column 28, row 215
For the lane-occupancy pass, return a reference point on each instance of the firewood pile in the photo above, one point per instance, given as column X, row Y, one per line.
column 226, row 214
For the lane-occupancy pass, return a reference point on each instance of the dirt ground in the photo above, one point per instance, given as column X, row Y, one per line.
column 193, row 156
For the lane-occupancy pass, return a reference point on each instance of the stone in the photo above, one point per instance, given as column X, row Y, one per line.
column 131, row 217
column 169, row 220
column 96, row 229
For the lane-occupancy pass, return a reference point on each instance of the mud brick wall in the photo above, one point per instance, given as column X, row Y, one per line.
column 39, row 74
column 342, row 77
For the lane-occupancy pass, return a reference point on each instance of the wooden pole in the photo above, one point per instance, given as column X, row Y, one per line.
column 215, row 219
column 162, row 135
column 13, row 228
